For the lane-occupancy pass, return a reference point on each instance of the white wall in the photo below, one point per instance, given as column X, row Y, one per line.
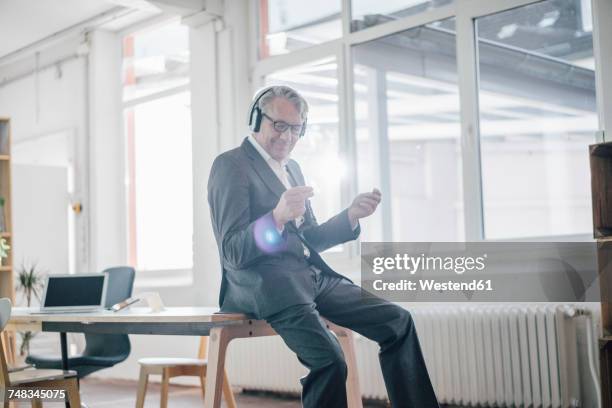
column 60, row 101
column 52, row 102
column 41, row 217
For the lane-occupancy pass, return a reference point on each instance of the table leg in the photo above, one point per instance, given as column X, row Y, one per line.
column 218, row 341
column 64, row 348
column 217, row 344
column 353, row 392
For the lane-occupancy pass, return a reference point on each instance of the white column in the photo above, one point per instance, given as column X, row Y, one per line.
column 107, row 215
column 235, row 83
column 467, row 68
column 220, row 95
column 379, row 142
column 205, row 145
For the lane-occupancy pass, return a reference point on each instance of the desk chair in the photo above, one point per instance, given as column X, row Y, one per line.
column 101, row 350
column 175, row 367
column 28, row 378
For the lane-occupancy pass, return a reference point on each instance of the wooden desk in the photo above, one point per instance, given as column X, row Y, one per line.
column 188, row 321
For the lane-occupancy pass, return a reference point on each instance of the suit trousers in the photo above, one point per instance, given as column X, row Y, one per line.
column 347, row 305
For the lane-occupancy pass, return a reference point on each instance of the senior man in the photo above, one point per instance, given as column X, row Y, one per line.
column 269, row 243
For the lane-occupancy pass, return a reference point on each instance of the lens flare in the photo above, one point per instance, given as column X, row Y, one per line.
column 267, row 237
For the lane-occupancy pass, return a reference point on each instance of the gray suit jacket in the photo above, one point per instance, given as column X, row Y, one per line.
column 263, row 271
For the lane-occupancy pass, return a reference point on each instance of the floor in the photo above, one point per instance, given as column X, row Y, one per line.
column 96, row 393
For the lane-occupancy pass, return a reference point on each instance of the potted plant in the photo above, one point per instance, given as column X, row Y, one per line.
column 4, row 247
column 29, row 282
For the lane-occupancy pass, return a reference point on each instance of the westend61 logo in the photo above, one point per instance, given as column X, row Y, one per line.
column 413, row 264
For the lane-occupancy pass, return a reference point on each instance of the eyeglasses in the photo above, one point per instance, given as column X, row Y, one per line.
column 281, row 126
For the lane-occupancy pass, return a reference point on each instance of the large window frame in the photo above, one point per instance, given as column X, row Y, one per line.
column 465, row 12
column 156, row 277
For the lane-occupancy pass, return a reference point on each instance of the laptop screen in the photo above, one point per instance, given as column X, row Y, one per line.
column 66, row 291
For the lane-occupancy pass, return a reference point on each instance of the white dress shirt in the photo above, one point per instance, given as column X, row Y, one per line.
column 279, row 168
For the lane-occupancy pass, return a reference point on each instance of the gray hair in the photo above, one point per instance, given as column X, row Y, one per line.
column 283, row 91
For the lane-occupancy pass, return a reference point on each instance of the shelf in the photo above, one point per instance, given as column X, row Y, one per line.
column 7, row 287
column 601, row 189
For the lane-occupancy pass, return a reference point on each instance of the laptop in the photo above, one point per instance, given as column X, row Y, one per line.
column 74, row 293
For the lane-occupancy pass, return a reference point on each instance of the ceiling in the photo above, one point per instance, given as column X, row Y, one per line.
column 23, row 22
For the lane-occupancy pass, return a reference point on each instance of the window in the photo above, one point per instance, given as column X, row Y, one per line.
column 158, row 146
column 288, row 25
column 530, row 94
column 408, row 134
column 318, row 151
column 368, row 13
column 155, row 60
column 538, row 114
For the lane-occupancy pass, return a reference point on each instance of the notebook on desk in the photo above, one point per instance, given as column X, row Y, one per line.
column 74, row 293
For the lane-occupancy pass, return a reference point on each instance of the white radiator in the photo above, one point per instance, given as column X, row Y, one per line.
column 484, row 355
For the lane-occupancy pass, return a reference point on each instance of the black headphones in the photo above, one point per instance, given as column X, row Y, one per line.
column 256, row 115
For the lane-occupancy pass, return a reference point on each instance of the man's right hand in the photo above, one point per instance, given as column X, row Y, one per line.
column 291, row 205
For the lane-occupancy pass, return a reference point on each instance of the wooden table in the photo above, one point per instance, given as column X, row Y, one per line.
column 188, row 321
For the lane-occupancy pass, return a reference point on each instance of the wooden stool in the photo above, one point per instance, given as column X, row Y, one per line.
column 175, row 367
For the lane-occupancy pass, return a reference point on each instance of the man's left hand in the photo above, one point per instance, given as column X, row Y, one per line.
column 363, row 205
